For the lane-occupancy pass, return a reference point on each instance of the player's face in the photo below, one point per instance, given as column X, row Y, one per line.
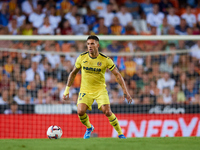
column 92, row 46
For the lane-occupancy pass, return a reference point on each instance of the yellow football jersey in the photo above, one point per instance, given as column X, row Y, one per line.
column 93, row 71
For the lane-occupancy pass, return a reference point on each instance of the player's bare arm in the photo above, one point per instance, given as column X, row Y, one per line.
column 120, row 80
column 70, row 81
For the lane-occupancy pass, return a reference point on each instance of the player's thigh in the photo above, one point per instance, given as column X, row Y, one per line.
column 85, row 98
column 102, row 99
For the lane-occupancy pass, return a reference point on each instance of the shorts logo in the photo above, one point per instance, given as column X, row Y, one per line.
column 80, row 99
column 99, row 64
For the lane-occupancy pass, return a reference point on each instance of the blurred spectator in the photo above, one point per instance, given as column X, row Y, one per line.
column 153, row 88
column 27, row 7
column 13, row 109
column 189, row 17
column 138, row 76
column 19, row 17
column 130, row 66
column 80, row 28
column 168, row 65
column 71, row 16
column 182, row 81
column 37, row 17
column 182, row 28
column 192, row 3
column 133, row 8
column 146, row 97
column 124, row 16
column 114, row 4
column 53, row 19
column 4, row 99
column 9, row 65
column 26, row 62
column 191, row 73
column 130, row 30
column 27, row 30
column 90, row 18
column 30, row 73
column 53, row 59
column 176, row 73
column 172, row 18
column 12, row 6
column 165, row 5
column 172, row 47
column 195, row 50
column 66, row 28
column 119, row 62
column 181, row 45
column 108, row 15
column 115, row 47
column 13, row 89
column 4, row 15
column 100, row 28
column 46, row 29
column 165, row 81
column 166, row 97
column 147, row 7
column 190, row 91
column 5, row 82
column 155, row 18
column 98, row 6
column 113, row 83
column 38, row 82
column 21, row 96
column 74, row 99
column 178, row 95
column 163, row 28
column 32, row 90
column 40, row 98
column 66, row 5
column 46, row 7
column 116, row 28
column 12, row 27
column 116, row 97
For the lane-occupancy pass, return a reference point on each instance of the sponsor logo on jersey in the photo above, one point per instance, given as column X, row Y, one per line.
column 90, row 69
column 84, row 61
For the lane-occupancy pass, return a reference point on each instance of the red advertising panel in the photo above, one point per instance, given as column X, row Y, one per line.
column 133, row 125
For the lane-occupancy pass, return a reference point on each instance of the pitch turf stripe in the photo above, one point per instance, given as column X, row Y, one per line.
column 111, row 67
column 113, row 119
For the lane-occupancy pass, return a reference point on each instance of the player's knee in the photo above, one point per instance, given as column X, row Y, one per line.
column 81, row 112
column 107, row 112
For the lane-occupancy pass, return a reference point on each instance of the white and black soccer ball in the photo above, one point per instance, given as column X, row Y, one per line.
column 54, row 132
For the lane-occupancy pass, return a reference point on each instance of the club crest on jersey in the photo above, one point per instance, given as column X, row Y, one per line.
column 99, row 64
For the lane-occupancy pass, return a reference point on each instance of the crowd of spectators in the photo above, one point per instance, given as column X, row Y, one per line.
column 158, row 79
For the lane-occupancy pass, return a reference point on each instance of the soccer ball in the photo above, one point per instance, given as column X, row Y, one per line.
column 54, row 132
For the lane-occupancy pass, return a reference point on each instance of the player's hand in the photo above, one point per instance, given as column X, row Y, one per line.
column 128, row 97
column 65, row 97
column 66, row 93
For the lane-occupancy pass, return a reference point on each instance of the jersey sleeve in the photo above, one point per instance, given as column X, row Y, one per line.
column 78, row 62
column 110, row 64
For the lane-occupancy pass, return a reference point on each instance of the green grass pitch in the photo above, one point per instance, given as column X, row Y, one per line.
column 175, row 143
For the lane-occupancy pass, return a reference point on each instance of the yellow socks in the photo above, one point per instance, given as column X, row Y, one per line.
column 85, row 120
column 114, row 122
